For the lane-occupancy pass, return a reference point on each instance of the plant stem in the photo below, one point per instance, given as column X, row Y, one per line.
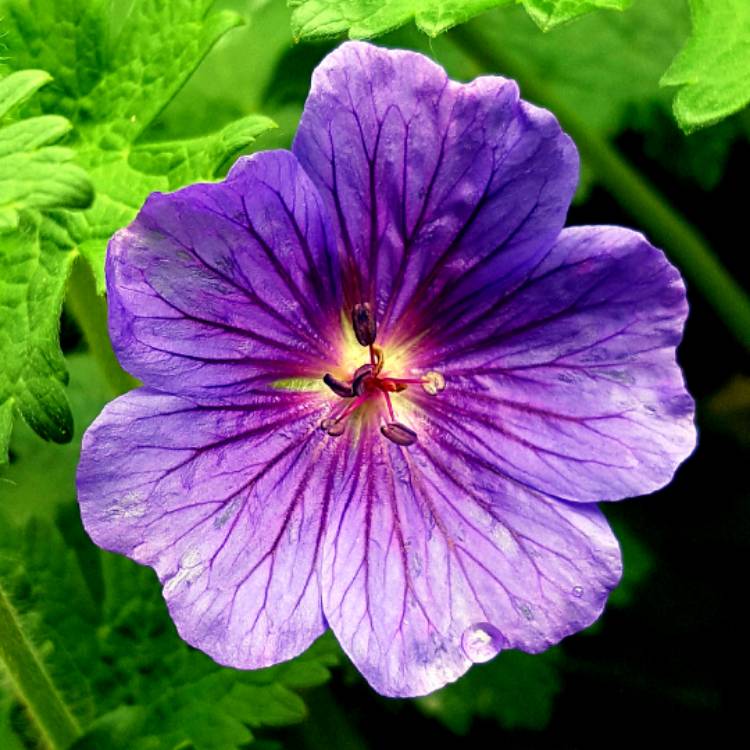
column 90, row 312
column 630, row 189
column 31, row 682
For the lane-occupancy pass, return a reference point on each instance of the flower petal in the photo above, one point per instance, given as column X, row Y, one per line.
column 430, row 563
column 227, row 505
column 569, row 384
column 434, row 187
column 218, row 288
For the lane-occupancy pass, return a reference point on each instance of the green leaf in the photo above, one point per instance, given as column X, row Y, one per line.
column 41, row 477
column 637, row 564
column 713, row 68
column 606, row 67
column 550, row 13
column 45, row 615
column 9, row 740
column 33, row 272
column 115, row 663
column 113, row 85
column 33, row 173
column 179, row 160
column 18, row 87
column 515, row 689
column 316, row 19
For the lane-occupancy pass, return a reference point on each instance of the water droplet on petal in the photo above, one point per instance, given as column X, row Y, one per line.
column 578, row 591
column 481, row 642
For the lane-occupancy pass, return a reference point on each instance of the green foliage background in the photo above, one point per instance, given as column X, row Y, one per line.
column 103, row 102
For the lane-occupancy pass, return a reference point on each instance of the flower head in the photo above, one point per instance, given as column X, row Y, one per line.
column 383, row 387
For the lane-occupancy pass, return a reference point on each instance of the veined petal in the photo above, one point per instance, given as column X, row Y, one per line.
column 436, row 189
column 569, row 384
column 431, row 563
column 228, row 505
column 218, row 289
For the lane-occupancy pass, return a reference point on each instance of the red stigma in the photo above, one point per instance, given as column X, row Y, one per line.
column 368, row 383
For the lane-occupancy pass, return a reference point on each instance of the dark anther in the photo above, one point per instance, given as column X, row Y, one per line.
column 363, row 322
column 399, row 433
column 332, row 426
column 358, row 382
column 338, row 386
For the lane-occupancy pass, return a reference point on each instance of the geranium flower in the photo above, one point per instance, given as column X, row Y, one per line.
column 383, row 387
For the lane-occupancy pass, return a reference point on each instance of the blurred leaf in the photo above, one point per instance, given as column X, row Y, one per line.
column 607, row 64
column 637, row 564
column 46, row 619
column 515, row 689
column 119, row 663
column 713, row 68
column 317, row 19
column 606, row 67
column 9, row 740
column 112, row 86
column 728, row 410
column 231, row 82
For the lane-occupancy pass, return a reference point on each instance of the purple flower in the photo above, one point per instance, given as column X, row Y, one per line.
column 383, row 387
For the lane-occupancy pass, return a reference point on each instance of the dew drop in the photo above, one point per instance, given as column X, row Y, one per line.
column 578, row 591
column 481, row 642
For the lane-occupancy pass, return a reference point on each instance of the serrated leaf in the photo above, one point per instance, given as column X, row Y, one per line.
column 46, row 619
column 41, row 477
column 606, row 67
column 33, row 273
column 713, row 69
column 112, row 88
column 179, row 160
column 318, row 19
column 550, row 13
column 33, row 173
column 517, row 690
column 150, row 689
column 16, row 88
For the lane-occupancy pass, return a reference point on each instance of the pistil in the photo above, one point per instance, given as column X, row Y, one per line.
column 368, row 380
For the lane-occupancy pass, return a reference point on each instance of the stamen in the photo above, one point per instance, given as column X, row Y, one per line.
column 389, row 405
column 399, row 434
column 363, row 323
column 338, row 386
column 377, row 357
column 333, row 427
column 433, row 382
